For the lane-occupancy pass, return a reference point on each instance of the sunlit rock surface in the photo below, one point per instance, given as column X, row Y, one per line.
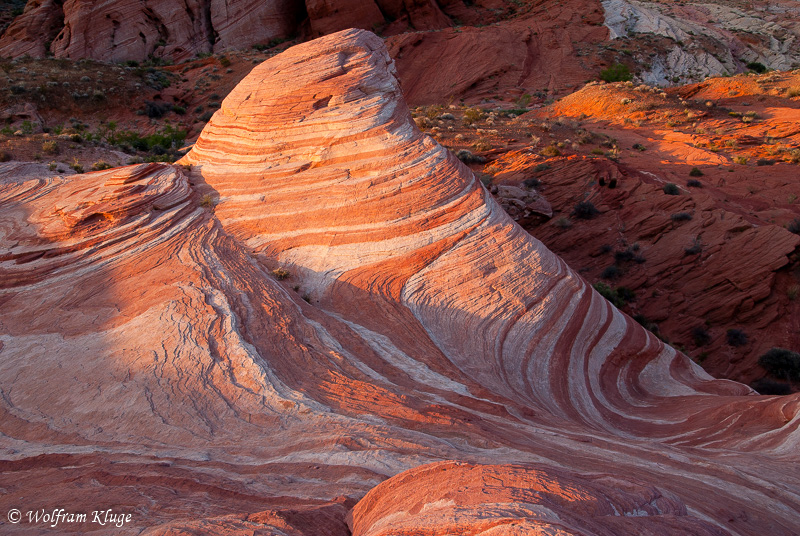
column 319, row 297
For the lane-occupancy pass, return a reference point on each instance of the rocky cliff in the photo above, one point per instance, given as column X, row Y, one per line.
column 279, row 335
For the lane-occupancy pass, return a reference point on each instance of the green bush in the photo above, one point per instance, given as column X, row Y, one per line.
column 781, row 363
column 671, row 189
column 616, row 73
column 695, row 172
column 737, row 337
column 585, row 210
column 757, row 67
column 617, row 296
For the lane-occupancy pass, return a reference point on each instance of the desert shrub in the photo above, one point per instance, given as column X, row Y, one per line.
column 629, row 255
column 156, row 110
column 792, row 292
column 100, row 165
column 207, row 116
column 75, row 165
column 207, row 201
column 793, row 92
column 482, row 145
column 467, row 157
column 764, row 162
column 50, row 147
column 694, row 184
column 541, row 167
column 700, row 336
column 757, row 67
column 473, row 115
column 781, row 363
column 224, row 61
column 532, row 183
column 280, row 274
column 765, row 386
column 645, row 323
column 617, row 296
column 681, row 216
column 792, row 156
column 695, row 172
column 741, row 160
column 736, row 337
column 794, row 226
column 639, row 147
column 616, row 73
column 550, row 151
column 611, row 272
column 563, row 223
column 5, row 156
column 671, row 189
column 180, row 110
column 695, row 249
column 598, row 151
column 585, row 210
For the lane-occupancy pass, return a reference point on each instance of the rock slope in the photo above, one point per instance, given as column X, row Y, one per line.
column 319, row 297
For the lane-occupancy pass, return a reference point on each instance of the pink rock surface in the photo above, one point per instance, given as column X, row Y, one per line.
column 153, row 361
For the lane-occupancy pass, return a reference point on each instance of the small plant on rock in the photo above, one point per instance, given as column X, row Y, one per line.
column 781, row 363
column 616, row 73
column 280, row 274
column 671, row 189
column 695, row 172
column 736, row 337
column 585, row 210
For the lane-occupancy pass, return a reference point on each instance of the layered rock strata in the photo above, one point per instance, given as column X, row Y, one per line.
column 319, row 297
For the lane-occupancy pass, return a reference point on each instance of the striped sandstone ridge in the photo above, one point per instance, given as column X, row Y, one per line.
column 149, row 351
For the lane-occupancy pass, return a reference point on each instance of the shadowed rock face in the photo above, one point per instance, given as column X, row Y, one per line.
column 319, row 297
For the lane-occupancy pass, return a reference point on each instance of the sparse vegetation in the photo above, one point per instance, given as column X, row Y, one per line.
column 618, row 72
column 695, row 172
column 757, row 67
column 700, row 336
column 467, row 157
column 550, row 151
column 681, row 216
column 671, row 189
column 695, row 249
column 101, row 165
column 611, row 272
column 781, row 363
column 563, row 223
column 50, row 147
column 794, row 226
column 585, row 210
column 473, row 115
column 693, row 183
column 619, row 296
column 736, row 337
column 532, row 184
column 281, row 274
column 765, row 386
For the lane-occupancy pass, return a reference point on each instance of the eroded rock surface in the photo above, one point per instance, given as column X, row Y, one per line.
column 319, row 297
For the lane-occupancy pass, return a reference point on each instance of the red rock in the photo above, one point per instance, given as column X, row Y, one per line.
column 459, row 498
column 153, row 360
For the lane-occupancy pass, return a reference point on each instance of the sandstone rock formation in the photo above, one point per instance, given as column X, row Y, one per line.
column 319, row 297
column 133, row 30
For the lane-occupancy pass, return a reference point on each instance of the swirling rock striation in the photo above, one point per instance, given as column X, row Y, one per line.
column 318, row 297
